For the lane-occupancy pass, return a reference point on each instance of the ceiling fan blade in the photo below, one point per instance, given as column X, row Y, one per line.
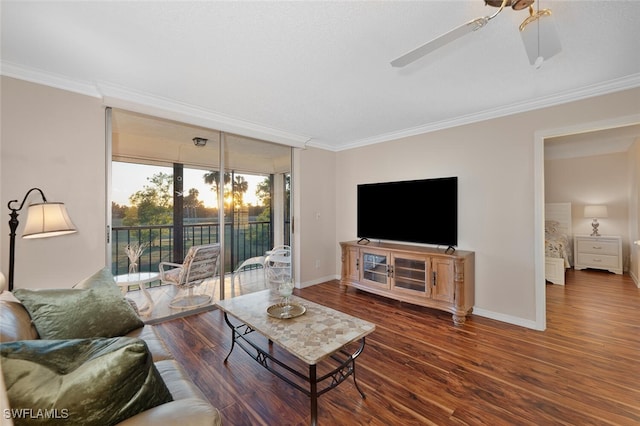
column 438, row 42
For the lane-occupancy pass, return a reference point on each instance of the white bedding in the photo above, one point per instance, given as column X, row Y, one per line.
column 558, row 238
column 557, row 244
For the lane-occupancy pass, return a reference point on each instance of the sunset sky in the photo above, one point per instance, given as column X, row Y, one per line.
column 129, row 178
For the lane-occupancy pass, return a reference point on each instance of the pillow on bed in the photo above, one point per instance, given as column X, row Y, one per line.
column 82, row 381
column 551, row 226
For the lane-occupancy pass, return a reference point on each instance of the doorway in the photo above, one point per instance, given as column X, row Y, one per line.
column 540, row 138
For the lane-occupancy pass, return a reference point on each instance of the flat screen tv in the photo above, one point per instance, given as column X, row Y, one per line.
column 418, row 211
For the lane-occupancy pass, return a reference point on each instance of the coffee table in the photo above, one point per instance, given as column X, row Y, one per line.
column 321, row 334
column 139, row 279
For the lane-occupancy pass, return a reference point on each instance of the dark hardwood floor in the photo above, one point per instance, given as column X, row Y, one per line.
column 419, row 369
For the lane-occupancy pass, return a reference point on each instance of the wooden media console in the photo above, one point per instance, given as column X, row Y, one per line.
column 425, row 276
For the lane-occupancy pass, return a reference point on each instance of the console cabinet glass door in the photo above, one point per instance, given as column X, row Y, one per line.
column 375, row 268
column 410, row 274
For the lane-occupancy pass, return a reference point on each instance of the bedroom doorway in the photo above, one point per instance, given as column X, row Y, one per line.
column 562, row 140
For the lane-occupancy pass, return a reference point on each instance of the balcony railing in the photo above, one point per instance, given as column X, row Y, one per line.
column 241, row 242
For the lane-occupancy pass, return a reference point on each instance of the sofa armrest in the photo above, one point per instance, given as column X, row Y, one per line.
column 15, row 321
column 156, row 345
column 183, row 412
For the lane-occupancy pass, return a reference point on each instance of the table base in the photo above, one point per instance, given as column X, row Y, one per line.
column 140, row 279
column 148, row 307
column 346, row 366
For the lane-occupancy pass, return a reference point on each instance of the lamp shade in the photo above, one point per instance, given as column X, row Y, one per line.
column 47, row 220
column 540, row 37
column 595, row 211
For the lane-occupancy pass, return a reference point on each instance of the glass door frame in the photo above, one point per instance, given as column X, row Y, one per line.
column 281, row 229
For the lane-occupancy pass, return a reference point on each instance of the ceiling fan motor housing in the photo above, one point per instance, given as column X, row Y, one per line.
column 515, row 4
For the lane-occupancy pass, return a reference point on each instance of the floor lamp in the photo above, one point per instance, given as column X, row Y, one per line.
column 43, row 220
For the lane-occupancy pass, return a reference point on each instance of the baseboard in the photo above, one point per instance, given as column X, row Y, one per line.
column 319, row 281
column 505, row 318
column 521, row 322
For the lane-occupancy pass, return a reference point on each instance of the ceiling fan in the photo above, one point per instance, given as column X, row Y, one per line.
column 470, row 26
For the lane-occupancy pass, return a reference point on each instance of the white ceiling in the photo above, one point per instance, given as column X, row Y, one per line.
column 317, row 72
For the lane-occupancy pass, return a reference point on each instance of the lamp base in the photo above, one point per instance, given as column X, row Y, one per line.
column 595, row 226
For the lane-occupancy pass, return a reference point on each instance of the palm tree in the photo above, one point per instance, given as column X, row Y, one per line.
column 213, row 178
column 240, row 186
column 191, row 203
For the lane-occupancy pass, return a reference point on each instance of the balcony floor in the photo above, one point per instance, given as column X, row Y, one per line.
column 247, row 281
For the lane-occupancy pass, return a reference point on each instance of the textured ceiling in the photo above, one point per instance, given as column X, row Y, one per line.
column 317, row 72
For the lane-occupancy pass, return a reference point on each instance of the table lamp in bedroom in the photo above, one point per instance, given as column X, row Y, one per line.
column 595, row 212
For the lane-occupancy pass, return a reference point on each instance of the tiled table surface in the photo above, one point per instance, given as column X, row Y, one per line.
column 311, row 337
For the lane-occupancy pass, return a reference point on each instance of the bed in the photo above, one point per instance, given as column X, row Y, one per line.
column 557, row 241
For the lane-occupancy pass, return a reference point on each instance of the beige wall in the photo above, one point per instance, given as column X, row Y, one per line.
column 494, row 166
column 597, row 179
column 54, row 140
column 314, row 215
column 494, row 161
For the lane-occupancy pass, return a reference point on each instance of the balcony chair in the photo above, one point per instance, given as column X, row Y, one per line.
column 252, row 263
column 200, row 263
column 277, row 264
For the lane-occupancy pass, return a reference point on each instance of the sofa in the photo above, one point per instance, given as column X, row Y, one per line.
column 60, row 346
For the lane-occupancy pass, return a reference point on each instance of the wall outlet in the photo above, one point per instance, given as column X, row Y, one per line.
column 317, row 263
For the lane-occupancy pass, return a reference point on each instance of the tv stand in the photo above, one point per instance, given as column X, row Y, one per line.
column 425, row 276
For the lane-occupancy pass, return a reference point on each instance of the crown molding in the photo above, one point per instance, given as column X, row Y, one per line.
column 629, row 82
column 56, row 81
column 126, row 98
column 121, row 97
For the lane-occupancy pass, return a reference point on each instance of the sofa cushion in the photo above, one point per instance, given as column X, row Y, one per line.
column 82, row 381
column 189, row 406
column 79, row 313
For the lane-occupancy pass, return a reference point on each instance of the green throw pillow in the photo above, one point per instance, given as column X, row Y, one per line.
column 79, row 313
column 80, row 381
column 103, row 277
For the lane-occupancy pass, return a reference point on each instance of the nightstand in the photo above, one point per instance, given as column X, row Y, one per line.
column 604, row 252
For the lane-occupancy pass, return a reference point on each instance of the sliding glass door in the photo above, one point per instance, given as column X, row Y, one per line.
column 170, row 191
